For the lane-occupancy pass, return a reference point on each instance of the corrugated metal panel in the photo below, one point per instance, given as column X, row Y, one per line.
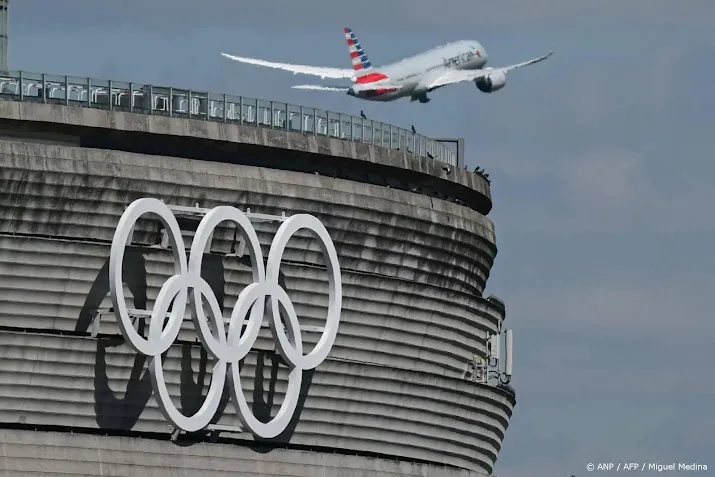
column 412, row 271
column 82, row 382
column 60, row 285
column 72, row 192
column 29, row 453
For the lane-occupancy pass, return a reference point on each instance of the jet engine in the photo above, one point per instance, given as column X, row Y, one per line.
column 491, row 82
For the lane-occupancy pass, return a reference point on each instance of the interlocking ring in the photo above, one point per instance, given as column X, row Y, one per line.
column 187, row 287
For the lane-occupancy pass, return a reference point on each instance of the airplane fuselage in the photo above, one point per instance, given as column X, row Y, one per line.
column 414, row 73
column 414, row 77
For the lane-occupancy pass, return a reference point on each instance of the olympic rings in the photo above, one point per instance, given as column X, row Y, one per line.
column 227, row 347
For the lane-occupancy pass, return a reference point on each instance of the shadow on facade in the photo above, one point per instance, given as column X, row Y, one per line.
column 263, row 401
column 122, row 414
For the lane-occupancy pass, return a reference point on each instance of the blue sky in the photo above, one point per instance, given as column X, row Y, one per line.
column 602, row 169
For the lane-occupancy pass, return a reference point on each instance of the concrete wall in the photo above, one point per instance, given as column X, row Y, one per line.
column 453, row 178
column 413, row 271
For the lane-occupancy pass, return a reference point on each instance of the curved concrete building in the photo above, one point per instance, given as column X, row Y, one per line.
column 414, row 244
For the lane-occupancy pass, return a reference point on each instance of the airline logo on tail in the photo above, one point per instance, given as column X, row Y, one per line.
column 364, row 73
column 357, row 55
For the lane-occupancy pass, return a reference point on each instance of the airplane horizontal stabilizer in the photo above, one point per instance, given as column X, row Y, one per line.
column 316, row 87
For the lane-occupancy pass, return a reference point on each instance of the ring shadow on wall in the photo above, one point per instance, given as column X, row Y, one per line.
column 113, row 413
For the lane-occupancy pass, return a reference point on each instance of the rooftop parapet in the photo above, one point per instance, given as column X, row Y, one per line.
column 175, row 102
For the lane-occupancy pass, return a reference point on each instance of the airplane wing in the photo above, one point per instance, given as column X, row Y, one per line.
column 459, row 76
column 322, row 71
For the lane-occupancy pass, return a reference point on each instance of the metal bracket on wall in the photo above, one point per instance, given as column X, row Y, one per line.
column 214, row 428
column 136, row 314
column 196, row 211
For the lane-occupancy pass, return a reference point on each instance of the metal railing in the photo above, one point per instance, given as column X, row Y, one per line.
column 174, row 102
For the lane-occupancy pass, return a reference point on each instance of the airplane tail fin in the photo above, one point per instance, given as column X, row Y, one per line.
column 361, row 64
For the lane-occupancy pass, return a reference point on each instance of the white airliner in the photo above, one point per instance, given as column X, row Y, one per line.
column 413, row 77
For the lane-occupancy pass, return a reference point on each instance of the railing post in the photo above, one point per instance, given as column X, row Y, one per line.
column 131, row 97
column 190, row 104
column 151, row 99
column 67, row 90
column 225, row 108
column 302, row 121
column 240, row 109
column 109, row 95
column 44, row 89
column 287, row 117
column 315, row 122
column 391, row 143
column 89, row 92
column 171, row 102
column 459, row 161
column 22, row 91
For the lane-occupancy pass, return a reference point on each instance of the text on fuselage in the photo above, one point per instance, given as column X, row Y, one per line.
column 458, row 60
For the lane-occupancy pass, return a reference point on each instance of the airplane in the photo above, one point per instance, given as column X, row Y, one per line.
column 413, row 77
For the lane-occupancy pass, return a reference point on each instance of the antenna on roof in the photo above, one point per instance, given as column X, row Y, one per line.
column 4, row 34
column 494, row 349
column 509, row 350
column 499, row 363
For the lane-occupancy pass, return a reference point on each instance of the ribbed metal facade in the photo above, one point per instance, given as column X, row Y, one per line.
column 391, row 396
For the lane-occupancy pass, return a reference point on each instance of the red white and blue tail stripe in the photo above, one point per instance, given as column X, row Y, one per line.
column 361, row 64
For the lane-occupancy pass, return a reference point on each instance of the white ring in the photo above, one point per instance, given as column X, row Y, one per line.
column 204, row 233
column 284, row 234
column 279, row 423
column 228, row 347
column 122, row 238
